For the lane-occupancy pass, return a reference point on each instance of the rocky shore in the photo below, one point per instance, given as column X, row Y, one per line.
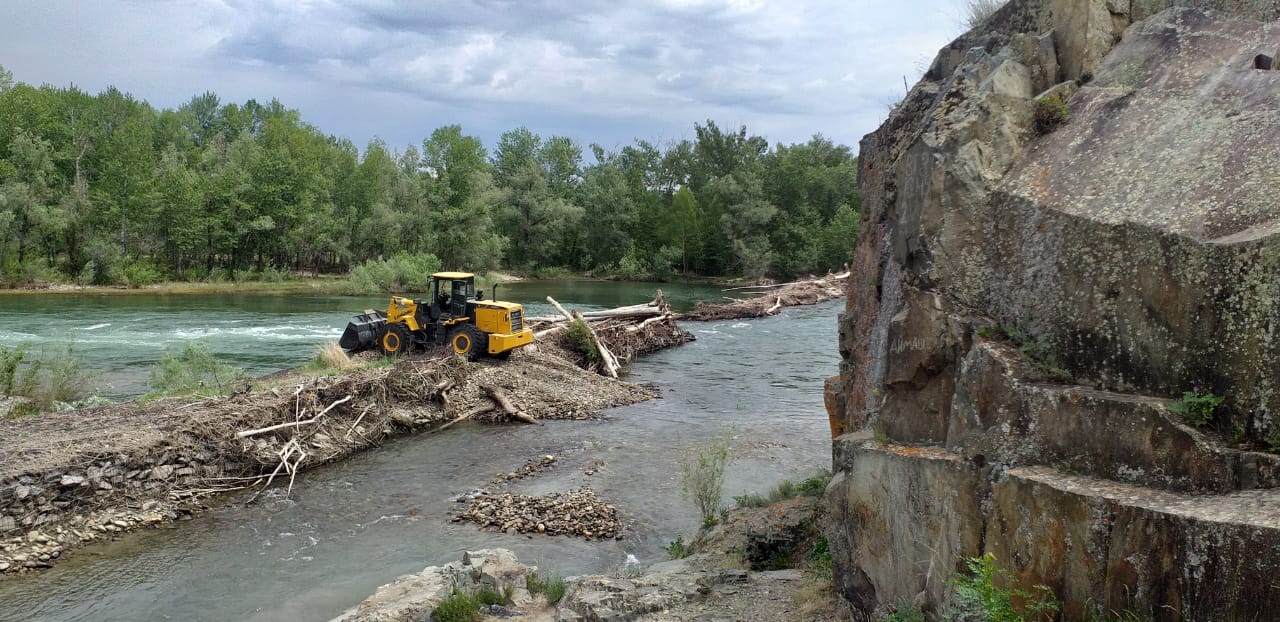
column 749, row 567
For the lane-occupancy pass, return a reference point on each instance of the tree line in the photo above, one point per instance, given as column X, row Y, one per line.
column 107, row 189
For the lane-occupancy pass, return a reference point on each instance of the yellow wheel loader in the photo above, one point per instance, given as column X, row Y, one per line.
column 456, row 314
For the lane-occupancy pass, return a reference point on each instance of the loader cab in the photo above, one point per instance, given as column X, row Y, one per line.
column 450, row 292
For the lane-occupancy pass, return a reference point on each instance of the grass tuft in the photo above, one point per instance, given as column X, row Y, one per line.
column 331, row 356
column 551, row 585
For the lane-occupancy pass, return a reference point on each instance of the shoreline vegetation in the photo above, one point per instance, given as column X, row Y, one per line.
column 108, row 190
column 340, row 285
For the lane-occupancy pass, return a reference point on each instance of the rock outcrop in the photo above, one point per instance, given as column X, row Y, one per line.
column 1025, row 308
column 415, row 596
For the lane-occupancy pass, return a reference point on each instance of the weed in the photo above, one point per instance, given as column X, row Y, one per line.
column 1273, row 441
column 882, row 438
column 818, row 559
column 816, row 485
column 978, row 11
column 786, row 489
column 10, row 359
column 551, row 585
column 702, row 476
column 1042, row 356
column 905, row 612
column 331, row 356
column 195, row 370
column 457, row 607
column 676, row 548
column 490, row 597
column 979, row 592
column 1197, row 408
column 1050, row 112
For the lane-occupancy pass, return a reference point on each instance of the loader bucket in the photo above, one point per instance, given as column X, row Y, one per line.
column 363, row 331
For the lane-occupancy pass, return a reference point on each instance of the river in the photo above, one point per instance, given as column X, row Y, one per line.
column 352, row 526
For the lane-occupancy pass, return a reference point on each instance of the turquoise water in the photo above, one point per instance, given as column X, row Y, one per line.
column 119, row 338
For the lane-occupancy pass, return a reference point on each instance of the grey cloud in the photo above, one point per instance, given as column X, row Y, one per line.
column 612, row 69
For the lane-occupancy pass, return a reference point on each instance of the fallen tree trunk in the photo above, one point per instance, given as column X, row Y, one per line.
column 606, row 357
column 505, row 404
column 806, row 292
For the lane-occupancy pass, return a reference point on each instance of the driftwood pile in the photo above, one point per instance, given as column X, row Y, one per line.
column 617, row 335
column 771, row 299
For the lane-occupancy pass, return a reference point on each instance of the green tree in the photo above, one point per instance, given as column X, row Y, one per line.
column 684, row 225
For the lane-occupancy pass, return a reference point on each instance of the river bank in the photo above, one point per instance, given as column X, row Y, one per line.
column 757, row 563
column 74, row 478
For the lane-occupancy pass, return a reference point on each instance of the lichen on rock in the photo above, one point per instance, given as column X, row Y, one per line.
column 1025, row 305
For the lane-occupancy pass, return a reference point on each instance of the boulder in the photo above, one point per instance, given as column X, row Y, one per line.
column 415, row 596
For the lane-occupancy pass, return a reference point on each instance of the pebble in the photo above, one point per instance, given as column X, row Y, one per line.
column 577, row 512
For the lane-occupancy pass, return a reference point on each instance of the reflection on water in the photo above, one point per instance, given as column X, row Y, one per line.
column 352, row 526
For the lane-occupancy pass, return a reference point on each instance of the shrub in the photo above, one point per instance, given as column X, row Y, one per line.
column 905, row 612
column 702, row 476
column 818, row 559
column 53, row 377
column 10, row 360
column 979, row 592
column 140, row 272
column 676, row 548
column 1050, row 112
column 402, row 273
column 194, row 370
column 457, row 607
column 552, row 585
column 1198, row 408
column 580, row 335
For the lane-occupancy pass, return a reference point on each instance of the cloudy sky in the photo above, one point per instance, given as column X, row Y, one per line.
column 597, row 71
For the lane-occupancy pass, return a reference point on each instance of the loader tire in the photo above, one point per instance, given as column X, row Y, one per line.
column 468, row 341
column 395, row 341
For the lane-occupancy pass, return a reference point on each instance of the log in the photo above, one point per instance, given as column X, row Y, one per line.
column 550, row 331
column 559, row 308
column 291, row 424
column 610, row 363
column 466, row 415
column 774, row 309
column 656, row 307
column 836, row 277
column 505, row 404
column 642, row 325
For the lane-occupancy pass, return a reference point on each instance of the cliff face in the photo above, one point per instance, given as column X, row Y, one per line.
column 1024, row 307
